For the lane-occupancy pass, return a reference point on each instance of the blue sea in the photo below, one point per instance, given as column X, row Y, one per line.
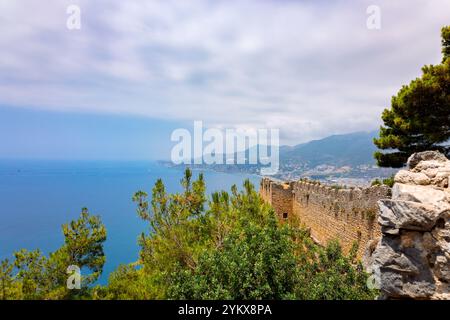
column 37, row 197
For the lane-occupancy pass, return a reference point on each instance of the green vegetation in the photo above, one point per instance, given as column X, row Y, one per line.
column 419, row 117
column 340, row 187
column 307, row 180
column 35, row 276
column 387, row 182
column 230, row 246
column 370, row 215
column 234, row 249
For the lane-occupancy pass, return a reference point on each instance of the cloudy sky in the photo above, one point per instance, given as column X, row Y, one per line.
column 309, row 68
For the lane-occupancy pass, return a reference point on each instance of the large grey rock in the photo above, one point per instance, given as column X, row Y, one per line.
column 409, row 177
column 408, row 215
column 424, row 166
column 422, row 194
column 403, row 274
column 443, row 270
column 436, row 170
column 412, row 258
column 415, row 158
column 442, row 180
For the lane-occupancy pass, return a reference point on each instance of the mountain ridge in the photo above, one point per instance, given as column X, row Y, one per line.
column 340, row 158
column 353, row 149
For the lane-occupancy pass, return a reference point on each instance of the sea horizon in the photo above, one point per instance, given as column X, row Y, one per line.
column 39, row 195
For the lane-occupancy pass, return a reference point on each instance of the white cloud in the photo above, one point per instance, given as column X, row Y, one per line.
column 308, row 68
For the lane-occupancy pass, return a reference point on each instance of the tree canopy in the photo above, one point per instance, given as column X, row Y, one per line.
column 419, row 117
column 230, row 245
column 33, row 275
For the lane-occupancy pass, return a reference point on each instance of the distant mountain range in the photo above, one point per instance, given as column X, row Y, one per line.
column 351, row 149
column 344, row 158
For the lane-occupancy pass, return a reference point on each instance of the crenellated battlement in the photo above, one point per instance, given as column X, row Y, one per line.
column 330, row 212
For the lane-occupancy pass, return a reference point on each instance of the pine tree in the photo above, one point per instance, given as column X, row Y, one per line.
column 6, row 279
column 36, row 276
column 419, row 117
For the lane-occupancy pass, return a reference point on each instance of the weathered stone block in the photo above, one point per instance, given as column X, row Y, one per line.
column 408, row 215
column 413, row 256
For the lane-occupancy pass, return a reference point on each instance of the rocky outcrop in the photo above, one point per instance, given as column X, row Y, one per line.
column 412, row 258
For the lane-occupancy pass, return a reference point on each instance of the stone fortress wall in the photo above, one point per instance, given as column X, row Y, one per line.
column 347, row 215
column 406, row 230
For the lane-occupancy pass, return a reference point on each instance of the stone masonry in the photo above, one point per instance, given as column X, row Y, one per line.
column 404, row 238
column 412, row 259
column 347, row 215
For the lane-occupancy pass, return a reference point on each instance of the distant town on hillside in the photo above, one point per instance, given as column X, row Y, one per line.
column 345, row 159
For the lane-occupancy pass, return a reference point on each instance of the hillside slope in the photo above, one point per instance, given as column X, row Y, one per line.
column 338, row 150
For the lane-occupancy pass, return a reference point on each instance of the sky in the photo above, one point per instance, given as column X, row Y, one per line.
column 136, row 70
